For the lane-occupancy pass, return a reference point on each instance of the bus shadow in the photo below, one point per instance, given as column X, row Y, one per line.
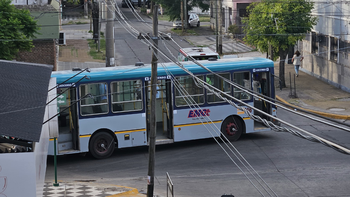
column 143, row 150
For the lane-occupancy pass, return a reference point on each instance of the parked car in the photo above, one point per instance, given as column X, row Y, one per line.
column 193, row 21
column 134, row 3
column 124, row 5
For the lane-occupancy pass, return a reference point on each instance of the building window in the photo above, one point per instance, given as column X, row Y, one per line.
column 220, row 84
column 126, row 96
column 314, row 43
column 344, row 48
column 323, row 46
column 187, row 89
column 98, row 102
column 334, row 48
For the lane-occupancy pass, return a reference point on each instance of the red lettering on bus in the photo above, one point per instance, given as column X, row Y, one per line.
column 198, row 113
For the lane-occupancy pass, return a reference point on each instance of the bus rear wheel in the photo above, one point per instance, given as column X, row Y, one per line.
column 101, row 145
column 232, row 128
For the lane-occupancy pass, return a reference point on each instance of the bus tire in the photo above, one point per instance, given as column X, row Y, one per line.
column 232, row 128
column 101, row 145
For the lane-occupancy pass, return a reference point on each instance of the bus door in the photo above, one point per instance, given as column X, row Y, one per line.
column 163, row 111
column 68, row 139
column 261, row 84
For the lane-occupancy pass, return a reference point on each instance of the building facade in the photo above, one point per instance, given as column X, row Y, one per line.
column 327, row 47
column 47, row 14
column 232, row 12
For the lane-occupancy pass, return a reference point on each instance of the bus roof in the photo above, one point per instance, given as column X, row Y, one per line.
column 129, row 72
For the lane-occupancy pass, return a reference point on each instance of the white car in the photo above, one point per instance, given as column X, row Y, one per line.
column 193, row 21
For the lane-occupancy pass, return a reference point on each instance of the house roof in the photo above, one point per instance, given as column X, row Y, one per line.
column 24, row 90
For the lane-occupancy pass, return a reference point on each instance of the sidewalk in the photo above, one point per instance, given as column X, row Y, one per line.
column 313, row 94
column 82, row 189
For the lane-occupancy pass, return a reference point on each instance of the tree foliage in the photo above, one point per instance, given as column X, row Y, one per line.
column 17, row 27
column 173, row 7
column 280, row 23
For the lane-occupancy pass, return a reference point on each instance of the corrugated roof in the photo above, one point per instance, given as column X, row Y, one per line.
column 23, row 88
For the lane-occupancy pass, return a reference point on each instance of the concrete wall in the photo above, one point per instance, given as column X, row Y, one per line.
column 331, row 72
column 332, row 22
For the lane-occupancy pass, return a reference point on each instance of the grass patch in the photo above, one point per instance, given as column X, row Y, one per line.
column 202, row 46
column 80, row 23
column 204, row 18
column 75, row 23
column 188, row 32
column 94, row 46
column 163, row 17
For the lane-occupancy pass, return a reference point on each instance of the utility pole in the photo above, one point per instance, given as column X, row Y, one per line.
column 185, row 14
column 220, row 28
column 217, row 26
column 110, row 35
column 182, row 15
column 152, row 128
column 99, row 25
column 86, row 10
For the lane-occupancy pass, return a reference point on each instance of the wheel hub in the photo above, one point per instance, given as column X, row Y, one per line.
column 101, row 147
column 231, row 129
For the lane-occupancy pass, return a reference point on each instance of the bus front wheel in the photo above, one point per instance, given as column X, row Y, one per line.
column 101, row 145
column 232, row 128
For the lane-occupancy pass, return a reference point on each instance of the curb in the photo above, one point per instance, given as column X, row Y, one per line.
column 132, row 192
column 328, row 115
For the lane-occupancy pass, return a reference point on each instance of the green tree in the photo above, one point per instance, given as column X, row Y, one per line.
column 17, row 28
column 173, row 7
column 280, row 23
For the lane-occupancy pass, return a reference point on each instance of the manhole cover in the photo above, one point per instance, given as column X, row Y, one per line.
column 336, row 109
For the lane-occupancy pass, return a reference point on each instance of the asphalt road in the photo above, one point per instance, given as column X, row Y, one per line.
column 291, row 166
column 129, row 50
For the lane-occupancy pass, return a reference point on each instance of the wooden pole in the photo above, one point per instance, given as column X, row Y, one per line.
column 152, row 129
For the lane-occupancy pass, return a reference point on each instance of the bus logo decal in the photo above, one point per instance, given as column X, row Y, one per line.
column 198, row 113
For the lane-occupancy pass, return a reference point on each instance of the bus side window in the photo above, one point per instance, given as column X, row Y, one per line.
column 126, row 96
column 243, row 79
column 189, row 88
column 218, row 83
column 98, row 102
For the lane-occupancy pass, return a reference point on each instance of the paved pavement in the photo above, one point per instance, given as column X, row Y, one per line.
column 304, row 91
column 229, row 46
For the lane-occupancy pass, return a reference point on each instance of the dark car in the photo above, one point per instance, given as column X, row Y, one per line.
column 134, row 3
column 124, row 5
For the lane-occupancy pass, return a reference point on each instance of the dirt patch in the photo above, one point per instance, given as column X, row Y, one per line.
column 76, row 51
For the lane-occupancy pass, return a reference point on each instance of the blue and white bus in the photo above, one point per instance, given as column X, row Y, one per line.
column 116, row 114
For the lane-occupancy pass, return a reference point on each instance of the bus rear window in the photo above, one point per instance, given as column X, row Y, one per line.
column 205, row 57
